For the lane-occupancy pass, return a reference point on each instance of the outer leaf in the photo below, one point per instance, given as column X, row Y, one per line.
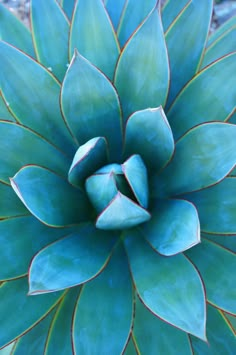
column 130, row 348
column 226, row 241
column 13, row 301
column 112, row 288
column 30, row 148
column 68, row 6
column 33, row 342
column 14, row 32
column 97, row 42
column 174, row 227
column 215, row 35
column 4, row 112
column 88, row 158
column 222, row 46
column 122, row 213
column 133, row 14
column 231, row 319
column 215, row 264
column 50, row 198
column 148, row 133
column 15, row 234
column 50, row 35
column 188, row 31
column 171, row 10
column 203, row 157
column 70, row 261
column 10, row 205
column 216, row 207
column 142, row 72
column 153, row 336
column 91, row 106
column 62, row 322
column 136, row 175
column 114, row 9
column 162, row 288
column 221, row 339
column 39, row 92
column 214, row 99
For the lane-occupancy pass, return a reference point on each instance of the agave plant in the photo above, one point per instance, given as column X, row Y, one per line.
column 117, row 179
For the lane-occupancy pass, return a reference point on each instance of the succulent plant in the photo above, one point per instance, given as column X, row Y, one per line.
column 117, row 179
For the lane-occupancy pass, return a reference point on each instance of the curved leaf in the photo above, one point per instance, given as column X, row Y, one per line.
column 203, row 157
column 50, row 35
column 130, row 348
column 14, row 299
column 216, row 265
column 50, row 198
column 221, row 339
column 14, row 32
column 40, row 90
column 96, row 42
column 88, row 158
column 68, row 6
column 185, row 40
column 70, row 261
column 216, row 207
column 15, row 234
column 162, row 288
column 4, row 112
column 136, row 175
column 226, row 241
column 215, row 35
column 174, row 227
column 153, row 336
column 33, row 342
column 171, row 9
column 10, row 205
column 208, row 96
column 61, row 324
column 142, row 73
column 111, row 311
column 133, row 14
column 122, row 213
column 114, row 9
column 91, row 106
column 148, row 133
column 24, row 146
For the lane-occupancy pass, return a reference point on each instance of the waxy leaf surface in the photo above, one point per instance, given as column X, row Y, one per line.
column 10, row 205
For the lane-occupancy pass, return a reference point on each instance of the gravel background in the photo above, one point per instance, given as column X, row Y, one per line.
column 223, row 10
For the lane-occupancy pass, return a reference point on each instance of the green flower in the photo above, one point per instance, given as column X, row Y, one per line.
column 118, row 159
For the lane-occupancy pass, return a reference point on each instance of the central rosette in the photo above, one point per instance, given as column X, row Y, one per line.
column 118, row 192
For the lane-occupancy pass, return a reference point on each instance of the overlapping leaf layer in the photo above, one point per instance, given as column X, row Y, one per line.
column 117, row 179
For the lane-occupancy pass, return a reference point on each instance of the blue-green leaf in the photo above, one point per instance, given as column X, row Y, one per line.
column 171, row 10
column 216, row 207
column 61, row 324
column 105, row 310
column 203, row 157
column 162, row 288
column 10, row 205
column 14, row 301
column 174, row 227
column 216, row 265
column 220, row 31
column 114, row 9
column 15, row 235
column 70, row 261
column 88, row 158
column 49, row 197
column 24, row 147
column 148, row 133
column 130, row 348
column 50, row 35
column 221, row 339
column 133, row 14
column 91, row 106
column 5, row 114
column 154, row 336
column 40, row 90
column 226, row 241
column 142, row 73
column 33, row 342
column 185, row 40
column 208, row 96
column 14, row 32
column 93, row 35
column 68, row 6
column 136, row 175
column 122, row 213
